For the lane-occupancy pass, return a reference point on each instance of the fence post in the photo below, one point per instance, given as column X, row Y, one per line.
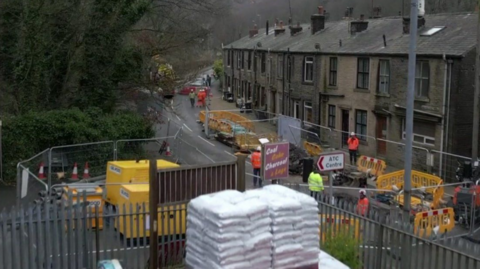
column 153, row 204
column 49, row 176
column 382, row 222
column 115, row 150
column 19, row 185
column 241, row 165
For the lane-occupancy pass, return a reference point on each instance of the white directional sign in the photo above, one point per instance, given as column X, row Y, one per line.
column 330, row 162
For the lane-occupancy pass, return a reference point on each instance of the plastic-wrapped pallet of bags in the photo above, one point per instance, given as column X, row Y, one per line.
column 257, row 234
column 215, row 230
column 308, row 227
column 282, row 212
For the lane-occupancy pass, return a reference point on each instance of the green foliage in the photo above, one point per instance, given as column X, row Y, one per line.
column 24, row 136
column 343, row 246
column 65, row 53
column 218, row 68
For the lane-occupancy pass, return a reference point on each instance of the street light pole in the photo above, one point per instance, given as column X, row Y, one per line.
column 412, row 60
column 476, row 97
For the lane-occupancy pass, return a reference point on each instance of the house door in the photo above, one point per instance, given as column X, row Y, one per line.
column 345, row 126
column 381, row 133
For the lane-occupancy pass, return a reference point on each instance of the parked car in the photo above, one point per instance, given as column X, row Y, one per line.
column 194, row 85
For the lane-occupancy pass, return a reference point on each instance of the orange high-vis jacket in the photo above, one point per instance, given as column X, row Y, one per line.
column 257, row 160
column 362, row 206
column 353, row 143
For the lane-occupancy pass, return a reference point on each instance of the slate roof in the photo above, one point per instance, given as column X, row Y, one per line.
column 458, row 37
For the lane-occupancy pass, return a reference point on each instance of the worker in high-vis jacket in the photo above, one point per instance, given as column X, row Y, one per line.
column 256, row 159
column 315, row 184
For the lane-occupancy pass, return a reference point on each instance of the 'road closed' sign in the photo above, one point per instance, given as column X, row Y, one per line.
column 331, row 161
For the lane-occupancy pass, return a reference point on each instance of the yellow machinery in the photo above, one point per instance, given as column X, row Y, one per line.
column 431, row 186
column 95, row 201
column 128, row 172
column 133, row 224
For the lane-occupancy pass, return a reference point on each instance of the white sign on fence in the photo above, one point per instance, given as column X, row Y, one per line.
column 331, row 161
column 24, row 183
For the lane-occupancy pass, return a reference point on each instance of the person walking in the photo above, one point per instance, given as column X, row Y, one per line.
column 191, row 95
column 315, row 184
column 257, row 165
column 353, row 147
column 363, row 203
column 209, row 80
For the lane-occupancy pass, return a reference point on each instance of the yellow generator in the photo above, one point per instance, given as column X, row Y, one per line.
column 95, row 201
column 133, row 224
column 129, row 172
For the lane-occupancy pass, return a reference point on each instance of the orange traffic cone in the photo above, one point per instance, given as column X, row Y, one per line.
column 75, row 171
column 41, row 172
column 168, row 153
column 86, row 174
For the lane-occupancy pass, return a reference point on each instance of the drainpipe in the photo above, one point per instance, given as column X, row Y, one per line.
column 232, row 60
column 444, row 108
column 446, row 112
column 284, row 74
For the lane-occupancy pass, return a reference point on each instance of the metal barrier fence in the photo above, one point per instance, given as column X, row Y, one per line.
column 59, row 163
column 79, row 234
column 424, row 158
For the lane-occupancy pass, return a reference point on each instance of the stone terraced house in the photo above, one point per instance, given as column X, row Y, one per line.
column 351, row 75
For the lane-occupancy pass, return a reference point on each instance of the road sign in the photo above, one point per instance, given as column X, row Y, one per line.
column 331, row 161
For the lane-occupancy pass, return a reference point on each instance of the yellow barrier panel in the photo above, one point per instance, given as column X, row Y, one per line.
column 336, row 222
column 377, row 167
column 312, row 148
column 249, row 141
column 425, row 222
column 419, row 179
column 228, row 116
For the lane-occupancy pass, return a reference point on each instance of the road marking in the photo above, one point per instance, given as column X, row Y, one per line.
column 187, row 127
column 178, row 117
column 229, row 153
column 206, row 141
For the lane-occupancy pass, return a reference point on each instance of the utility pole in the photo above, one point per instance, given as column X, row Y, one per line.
column 154, row 200
column 412, row 60
column 476, row 101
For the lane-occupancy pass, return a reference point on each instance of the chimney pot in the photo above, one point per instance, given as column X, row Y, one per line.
column 362, row 17
column 320, row 10
column 281, row 24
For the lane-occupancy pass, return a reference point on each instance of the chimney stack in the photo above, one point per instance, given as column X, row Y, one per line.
column 376, row 12
column 318, row 21
column 254, row 31
column 279, row 29
column 359, row 25
column 295, row 29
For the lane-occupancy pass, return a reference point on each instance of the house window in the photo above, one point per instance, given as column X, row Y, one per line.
column 363, row 72
column 423, row 132
column 422, row 79
column 243, row 59
column 332, row 79
column 331, row 116
column 384, row 76
column 308, row 112
column 264, row 64
column 239, row 59
column 296, row 109
column 249, row 61
column 308, row 69
column 279, row 66
column 361, row 124
column 290, row 72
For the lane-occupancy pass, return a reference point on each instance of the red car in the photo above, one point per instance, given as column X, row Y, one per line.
column 195, row 85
